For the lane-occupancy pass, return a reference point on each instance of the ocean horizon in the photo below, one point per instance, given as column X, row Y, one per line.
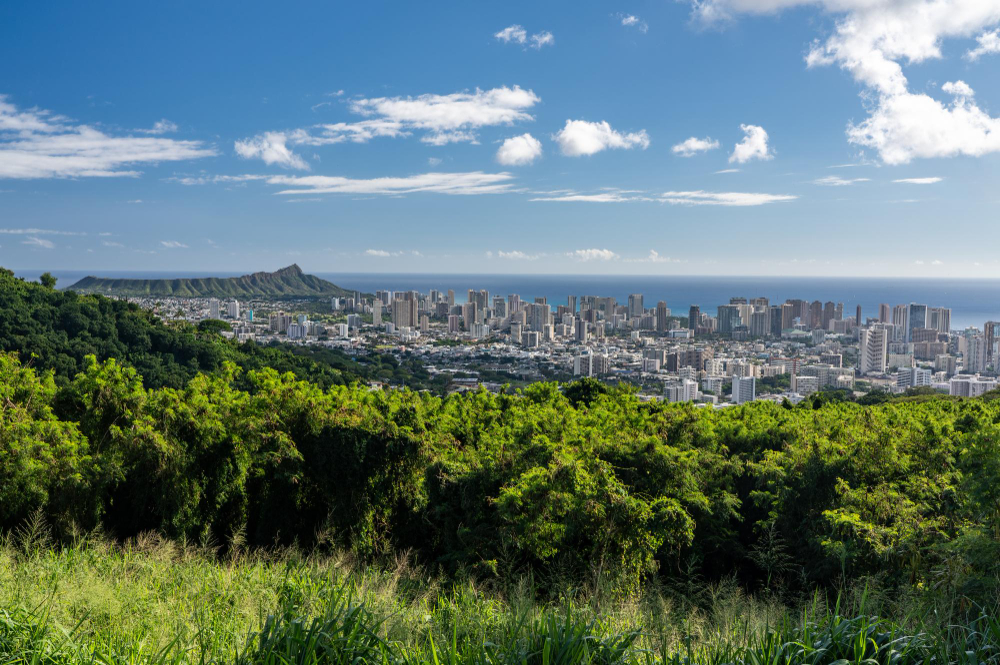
column 972, row 301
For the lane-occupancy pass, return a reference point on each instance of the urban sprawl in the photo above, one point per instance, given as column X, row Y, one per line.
column 750, row 350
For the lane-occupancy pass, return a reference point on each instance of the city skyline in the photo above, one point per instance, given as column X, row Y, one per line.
column 720, row 137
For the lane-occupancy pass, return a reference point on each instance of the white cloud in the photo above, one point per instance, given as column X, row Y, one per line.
column 580, row 137
column 37, row 144
column 441, row 118
column 541, row 39
column 753, row 146
column 593, row 255
column 693, row 146
column 517, row 255
column 519, row 150
column 270, row 147
column 134, row 201
column 512, row 33
column 161, row 127
column 173, row 244
column 516, row 34
column 110, row 243
column 433, row 161
column 870, row 40
column 919, row 181
column 631, row 21
column 937, row 262
column 474, row 182
column 724, row 198
column 906, row 126
column 377, row 252
column 727, row 171
column 34, row 241
column 837, row 181
column 989, row 43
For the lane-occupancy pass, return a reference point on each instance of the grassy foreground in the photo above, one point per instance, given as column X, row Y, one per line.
column 156, row 601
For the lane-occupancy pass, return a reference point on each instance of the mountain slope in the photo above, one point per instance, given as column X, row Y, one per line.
column 287, row 282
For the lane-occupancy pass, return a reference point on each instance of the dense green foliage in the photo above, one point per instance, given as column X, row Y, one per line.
column 285, row 283
column 590, row 481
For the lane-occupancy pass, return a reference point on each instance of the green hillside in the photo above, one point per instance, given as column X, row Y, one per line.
column 287, row 282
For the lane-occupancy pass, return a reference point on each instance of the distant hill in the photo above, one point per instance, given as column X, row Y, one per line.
column 285, row 283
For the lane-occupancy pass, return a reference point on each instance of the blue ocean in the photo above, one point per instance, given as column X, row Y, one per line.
column 972, row 301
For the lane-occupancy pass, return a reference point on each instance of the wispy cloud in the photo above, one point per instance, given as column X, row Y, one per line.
column 36, row 144
column 439, row 119
column 654, row 257
column 919, row 181
column 41, row 232
column 471, row 183
column 699, row 198
column 173, row 244
column 517, row 255
column 837, row 181
column 34, row 241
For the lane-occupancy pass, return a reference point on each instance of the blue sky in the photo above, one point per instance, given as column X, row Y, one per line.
column 738, row 137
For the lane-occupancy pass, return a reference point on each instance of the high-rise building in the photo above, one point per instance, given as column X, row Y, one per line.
column 513, row 304
column 453, row 323
column 744, row 389
column 777, row 319
column 571, row 304
column 857, row 317
column 233, row 309
column 913, row 377
column 872, row 354
column 581, row 331
column 470, row 314
column 685, row 390
column 990, row 340
column 583, row 365
column 538, row 316
column 760, row 323
column 404, row 310
column 635, row 308
column 694, row 317
column 729, row 318
column 974, row 359
column 662, row 317
column 884, row 313
column 939, row 318
column 815, row 314
column 213, row 308
column 917, row 319
column 829, row 314
column 377, row 313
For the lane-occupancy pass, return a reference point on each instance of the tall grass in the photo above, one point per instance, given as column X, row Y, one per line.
column 156, row 601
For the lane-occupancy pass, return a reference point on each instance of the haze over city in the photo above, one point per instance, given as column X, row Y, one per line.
column 718, row 137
